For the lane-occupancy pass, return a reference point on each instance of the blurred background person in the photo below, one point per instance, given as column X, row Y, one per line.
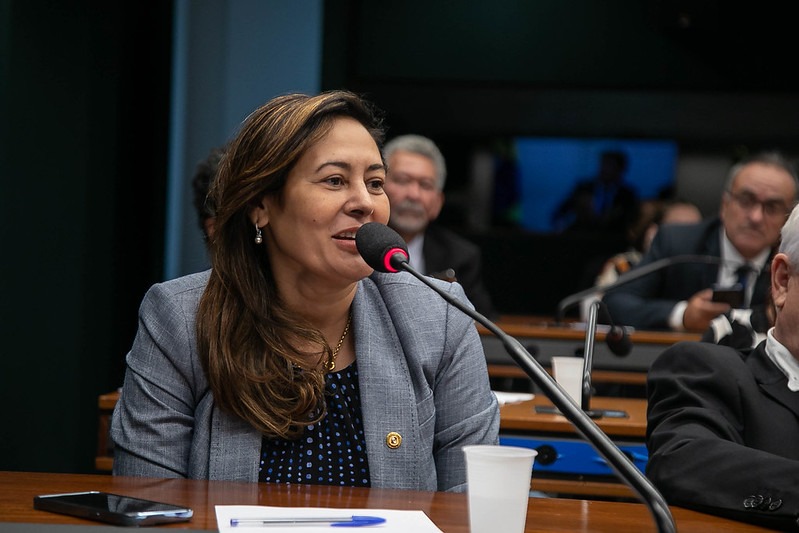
column 759, row 192
column 602, row 203
column 653, row 214
column 204, row 173
column 415, row 186
column 276, row 364
column 722, row 423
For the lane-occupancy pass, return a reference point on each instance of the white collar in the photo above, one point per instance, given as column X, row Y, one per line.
column 733, row 258
column 415, row 247
column 784, row 360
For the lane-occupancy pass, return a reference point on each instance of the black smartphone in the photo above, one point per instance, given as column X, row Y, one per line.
column 732, row 295
column 112, row 508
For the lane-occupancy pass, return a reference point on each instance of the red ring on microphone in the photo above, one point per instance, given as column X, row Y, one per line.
column 387, row 258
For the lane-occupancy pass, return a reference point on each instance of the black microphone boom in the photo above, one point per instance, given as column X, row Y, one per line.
column 620, row 463
column 635, row 273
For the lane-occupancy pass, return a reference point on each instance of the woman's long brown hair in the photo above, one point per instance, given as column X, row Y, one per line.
column 247, row 339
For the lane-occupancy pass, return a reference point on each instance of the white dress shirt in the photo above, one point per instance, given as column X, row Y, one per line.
column 416, row 258
column 784, row 360
column 727, row 276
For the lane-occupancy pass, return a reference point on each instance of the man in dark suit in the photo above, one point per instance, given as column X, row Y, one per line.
column 723, row 424
column 759, row 193
column 415, row 188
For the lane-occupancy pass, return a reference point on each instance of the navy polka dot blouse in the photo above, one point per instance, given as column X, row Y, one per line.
column 330, row 452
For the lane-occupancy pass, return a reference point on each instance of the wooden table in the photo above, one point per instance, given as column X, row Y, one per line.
column 620, row 377
column 447, row 510
column 551, row 339
column 523, row 419
column 545, row 328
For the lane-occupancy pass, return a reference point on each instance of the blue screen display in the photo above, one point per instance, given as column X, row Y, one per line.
column 549, row 168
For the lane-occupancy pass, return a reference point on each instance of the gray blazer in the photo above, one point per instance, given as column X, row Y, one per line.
column 422, row 374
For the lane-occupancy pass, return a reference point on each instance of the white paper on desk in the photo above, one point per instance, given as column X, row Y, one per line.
column 396, row 521
column 512, row 397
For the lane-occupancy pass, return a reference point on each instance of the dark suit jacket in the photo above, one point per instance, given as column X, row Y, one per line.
column 723, row 433
column 445, row 249
column 647, row 302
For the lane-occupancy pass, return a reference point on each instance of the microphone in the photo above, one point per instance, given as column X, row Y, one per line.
column 378, row 245
column 635, row 273
column 381, row 247
column 617, row 340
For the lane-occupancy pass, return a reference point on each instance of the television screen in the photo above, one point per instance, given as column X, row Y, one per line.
column 548, row 169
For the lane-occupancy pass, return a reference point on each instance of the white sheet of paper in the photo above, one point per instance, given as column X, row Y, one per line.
column 512, row 397
column 396, row 521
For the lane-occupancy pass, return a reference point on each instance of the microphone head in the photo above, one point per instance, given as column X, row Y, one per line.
column 381, row 247
column 618, row 341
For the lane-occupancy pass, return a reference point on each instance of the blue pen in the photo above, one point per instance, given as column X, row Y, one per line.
column 333, row 521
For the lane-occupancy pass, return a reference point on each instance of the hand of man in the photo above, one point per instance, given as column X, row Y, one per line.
column 701, row 310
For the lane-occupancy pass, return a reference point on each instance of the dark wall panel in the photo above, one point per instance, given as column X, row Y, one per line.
column 84, row 93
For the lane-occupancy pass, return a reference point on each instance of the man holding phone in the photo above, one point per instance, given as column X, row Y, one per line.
column 721, row 422
column 759, row 193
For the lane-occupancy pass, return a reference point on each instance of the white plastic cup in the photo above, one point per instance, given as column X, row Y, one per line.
column 568, row 372
column 498, row 480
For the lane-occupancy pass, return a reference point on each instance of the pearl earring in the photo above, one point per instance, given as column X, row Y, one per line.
column 258, row 236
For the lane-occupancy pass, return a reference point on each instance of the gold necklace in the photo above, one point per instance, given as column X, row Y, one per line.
column 330, row 365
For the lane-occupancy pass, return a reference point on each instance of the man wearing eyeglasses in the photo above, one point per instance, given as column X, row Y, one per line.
column 759, row 193
column 721, row 424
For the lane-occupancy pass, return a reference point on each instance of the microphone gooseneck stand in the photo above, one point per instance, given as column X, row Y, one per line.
column 638, row 272
column 621, row 349
column 588, row 360
column 620, row 463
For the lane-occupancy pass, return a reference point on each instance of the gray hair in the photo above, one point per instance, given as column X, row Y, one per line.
column 789, row 238
column 773, row 158
column 417, row 144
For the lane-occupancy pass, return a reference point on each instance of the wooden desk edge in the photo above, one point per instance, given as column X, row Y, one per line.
column 543, row 328
column 624, row 377
column 447, row 510
column 521, row 417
